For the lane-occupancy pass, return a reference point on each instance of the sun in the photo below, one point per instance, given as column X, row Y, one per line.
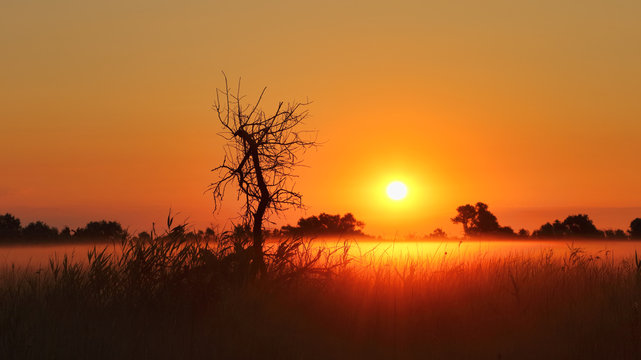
column 396, row 190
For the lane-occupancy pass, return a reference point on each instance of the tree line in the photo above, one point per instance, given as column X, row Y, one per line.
column 11, row 230
column 478, row 221
column 324, row 224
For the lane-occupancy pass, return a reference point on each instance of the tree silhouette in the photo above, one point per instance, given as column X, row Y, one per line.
column 551, row 230
column 479, row 221
column 9, row 227
column 615, row 234
column 325, row 224
column 65, row 234
column 101, row 230
column 484, row 221
column 262, row 151
column 438, row 233
column 466, row 215
column 581, row 226
column 573, row 226
column 39, row 231
column 635, row 229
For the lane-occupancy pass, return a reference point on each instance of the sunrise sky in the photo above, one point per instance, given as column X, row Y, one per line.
column 533, row 107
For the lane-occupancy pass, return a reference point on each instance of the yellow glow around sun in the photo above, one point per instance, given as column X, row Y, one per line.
column 396, row 190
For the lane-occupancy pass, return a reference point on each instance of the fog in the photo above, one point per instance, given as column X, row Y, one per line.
column 370, row 250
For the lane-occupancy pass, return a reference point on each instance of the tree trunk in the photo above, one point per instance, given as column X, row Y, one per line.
column 258, row 267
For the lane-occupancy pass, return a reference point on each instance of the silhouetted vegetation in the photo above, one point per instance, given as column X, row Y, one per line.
column 635, row 229
column 617, row 234
column 547, row 230
column 168, row 298
column 10, row 228
column 194, row 294
column 324, row 225
column 261, row 154
column 479, row 221
column 438, row 233
column 110, row 230
column 39, row 231
column 581, row 226
column 578, row 226
column 65, row 234
column 476, row 220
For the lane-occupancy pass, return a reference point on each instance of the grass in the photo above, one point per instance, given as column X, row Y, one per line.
column 168, row 298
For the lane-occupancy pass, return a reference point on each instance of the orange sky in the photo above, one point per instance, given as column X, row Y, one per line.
column 532, row 107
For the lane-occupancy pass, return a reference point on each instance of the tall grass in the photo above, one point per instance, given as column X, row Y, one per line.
column 171, row 298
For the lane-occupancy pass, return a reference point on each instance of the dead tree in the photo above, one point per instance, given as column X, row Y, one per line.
column 261, row 153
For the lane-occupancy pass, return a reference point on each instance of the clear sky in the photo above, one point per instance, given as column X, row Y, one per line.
column 533, row 107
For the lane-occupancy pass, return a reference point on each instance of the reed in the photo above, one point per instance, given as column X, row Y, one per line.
column 168, row 297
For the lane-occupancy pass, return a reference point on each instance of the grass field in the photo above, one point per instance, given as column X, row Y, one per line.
column 171, row 299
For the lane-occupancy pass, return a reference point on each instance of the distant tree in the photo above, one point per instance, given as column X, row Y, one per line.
column 10, row 228
column 615, row 234
column 39, row 231
column 479, row 221
column 325, row 224
column 554, row 230
column 506, row 231
column 581, row 226
column 558, row 228
column 438, row 233
column 465, row 216
column 484, row 222
column 620, row 234
column 635, row 229
column 573, row 226
column 65, row 234
column 101, row 230
column 523, row 233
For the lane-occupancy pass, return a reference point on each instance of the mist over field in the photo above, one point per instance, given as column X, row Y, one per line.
column 320, row 179
column 332, row 297
column 329, row 290
column 394, row 250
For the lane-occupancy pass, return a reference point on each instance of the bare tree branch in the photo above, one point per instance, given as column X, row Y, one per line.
column 260, row 157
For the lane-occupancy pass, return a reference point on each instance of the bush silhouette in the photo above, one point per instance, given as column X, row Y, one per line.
column 438, row 233
column 553, row 230
column 478, row 220
column 39, row 231
column 573, row 226
column 581, row 226
column 9, row 227
column 65, row 234
column 325, row 224
column 101, row 230
column 635, row 229
column 615, row 234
